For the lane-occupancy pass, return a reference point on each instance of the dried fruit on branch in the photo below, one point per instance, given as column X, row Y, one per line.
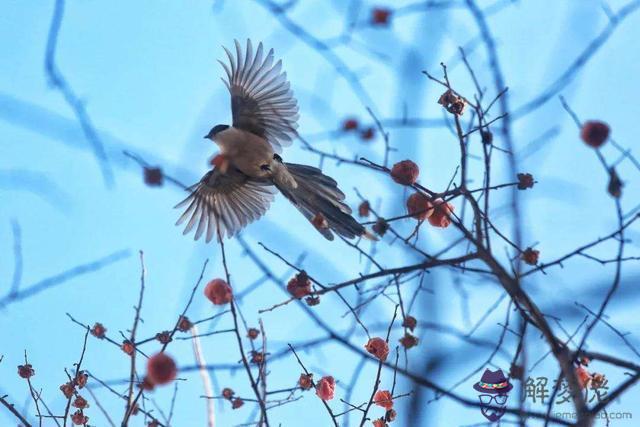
column 98, row 330
column 218, row 292
column 380, row 227
column 380, row 16
column 350, row 124
column 384, row 399
column 67, row 389
column 364, row 209
column 78, row 418
column 615, row 184
column 419, row 206
column 409, row 341
column 452, row 102
column 530, row 256
column 378, row 348
column 325, row 388
column 184, row 324
column 164, row 337
column 441, row 216
column 153, row 176
column 410, row 322
column 305, row 381
column 405, row 172
column 161, row 369
column 300, row 285
column 26, row 371
column 525, row 180
column 227, row 393
column 594, row 133
column 237, row 403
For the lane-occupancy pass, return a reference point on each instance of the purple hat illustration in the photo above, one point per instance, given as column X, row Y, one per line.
column 493, row 383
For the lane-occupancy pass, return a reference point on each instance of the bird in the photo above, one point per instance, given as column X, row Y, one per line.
column 249, row 170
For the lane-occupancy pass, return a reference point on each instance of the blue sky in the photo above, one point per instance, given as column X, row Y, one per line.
column 148, row 75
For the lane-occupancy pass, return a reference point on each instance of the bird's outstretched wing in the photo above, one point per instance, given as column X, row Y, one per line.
column 261, row 99
column 229, row 201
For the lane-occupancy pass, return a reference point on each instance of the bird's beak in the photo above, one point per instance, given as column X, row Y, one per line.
column 206, row 137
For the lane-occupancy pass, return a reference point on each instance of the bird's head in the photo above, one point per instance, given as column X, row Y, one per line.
column 215, row 130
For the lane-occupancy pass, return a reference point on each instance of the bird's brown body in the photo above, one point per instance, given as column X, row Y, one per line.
column 246, row 151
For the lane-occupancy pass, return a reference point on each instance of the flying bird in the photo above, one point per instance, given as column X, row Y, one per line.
column 249, row 170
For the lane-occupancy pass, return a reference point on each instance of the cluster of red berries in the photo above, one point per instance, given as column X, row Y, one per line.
column 384, row 399
column 352, row 125
column 419, row 205
column 452, row 102
column 436, row 211
column 228, row 394
column 80, row 403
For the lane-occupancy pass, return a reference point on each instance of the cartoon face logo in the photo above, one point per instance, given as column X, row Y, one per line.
column 493, row 388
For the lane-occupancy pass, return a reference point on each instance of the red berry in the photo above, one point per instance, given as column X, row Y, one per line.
column 390, row 415
column 237, row 402
column 305, row 381
column 227, row 393
column 408, row 341
column 378, row 348
column 584, row 377
column 26, row 371
column 594, row 133
column 364, row 209
column 405, row 172
column 525, row 180
column 441, row 214
column 161, row 369
column 380, row 16
column 184, row 324
column 67, row 389
column 218, row 292
column 79, row 419
column 80, row 403
column 257, row 357
column 128, row 347
column 419, row 206
column 410, row 322
column 350, row 124
column 380, row 227
column 325, row 388
column 164, row 337
column 368, row 134
column 252, row 333
column 530, row 256
column 153, row 176
column 379, row 423
column 300, row 285
column 81, row 379
column 98, row 330
column 384, row 399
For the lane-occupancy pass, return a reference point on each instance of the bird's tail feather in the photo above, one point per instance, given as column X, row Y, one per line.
column 317, row 196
